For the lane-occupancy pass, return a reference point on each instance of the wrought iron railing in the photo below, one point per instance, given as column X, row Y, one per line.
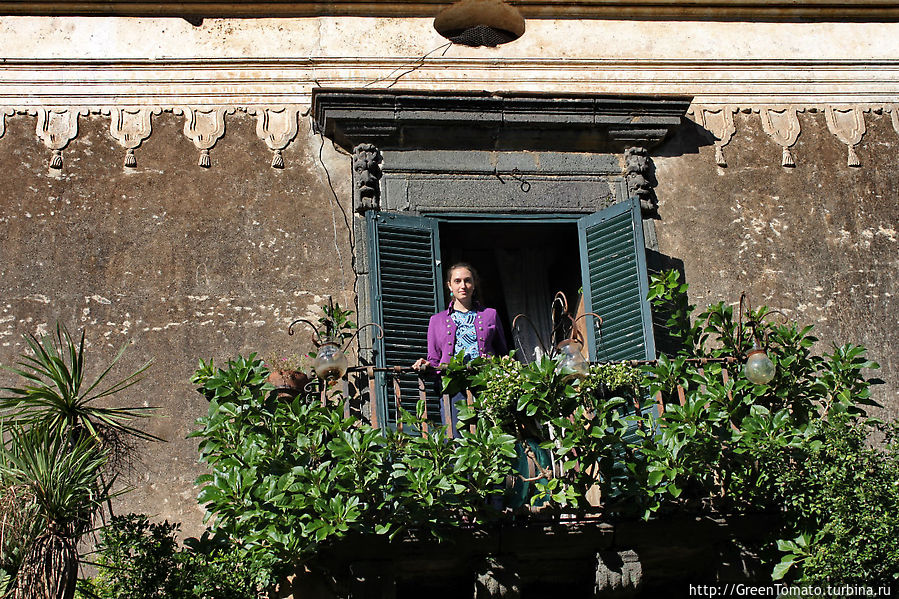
column 359, row 390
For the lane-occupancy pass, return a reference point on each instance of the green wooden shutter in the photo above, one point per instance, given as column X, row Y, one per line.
column 613, row 268
column 405, row 280
column 615, row 279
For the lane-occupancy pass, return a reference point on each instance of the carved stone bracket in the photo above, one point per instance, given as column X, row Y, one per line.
column 618, row 574
column 366, row 178
column 848, row 124
column 204, row 126
column 641, row 181
column 4, row 112
column 782, row 125
column 497, row 577
column 719, row 123
column 56, row 127
column 893, row 109
column 277, row 127
column 130, row 127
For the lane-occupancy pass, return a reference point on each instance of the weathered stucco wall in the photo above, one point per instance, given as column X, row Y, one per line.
column 182, row 262
column 191, row 263
column 195, row 263
column 818, row 241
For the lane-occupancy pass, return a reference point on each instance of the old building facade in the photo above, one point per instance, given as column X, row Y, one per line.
column 181, row 185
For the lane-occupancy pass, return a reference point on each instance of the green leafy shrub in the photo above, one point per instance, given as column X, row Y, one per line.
column 287, row 477
column 137, row 559
column 587, row 426
column 795, row 446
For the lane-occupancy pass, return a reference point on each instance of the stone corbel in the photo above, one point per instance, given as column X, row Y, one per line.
column 277, row 127
column 130, row 127
column 204, row 126
column 782, row 125
column 719, row 123
column 5, row 112
column 56, row 127
column 497, row 577
column 893, row 109
column 618, row 574
column 640, row 177
column 366, row 178
column 848, row 124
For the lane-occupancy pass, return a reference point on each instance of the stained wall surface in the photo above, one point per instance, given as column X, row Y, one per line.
column 182, row 262
column 179, row 262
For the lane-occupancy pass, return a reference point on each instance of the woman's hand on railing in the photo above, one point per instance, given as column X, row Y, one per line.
column 421, row 364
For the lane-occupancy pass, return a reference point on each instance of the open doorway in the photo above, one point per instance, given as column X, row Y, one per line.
column 521, row 267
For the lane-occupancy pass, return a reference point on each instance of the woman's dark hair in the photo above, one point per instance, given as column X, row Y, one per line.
column 471, row 269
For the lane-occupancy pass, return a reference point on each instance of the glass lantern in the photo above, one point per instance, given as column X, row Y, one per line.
column 330, row 362
column 759, row 368
column 572, row 358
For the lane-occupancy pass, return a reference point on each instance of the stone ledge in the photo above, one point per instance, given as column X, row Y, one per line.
column 493, row 121
column 774, row 10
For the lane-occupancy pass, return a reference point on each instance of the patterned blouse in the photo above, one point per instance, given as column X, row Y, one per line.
column 466, row 336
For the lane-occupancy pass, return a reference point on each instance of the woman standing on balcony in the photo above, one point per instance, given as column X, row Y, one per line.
column 466, row 326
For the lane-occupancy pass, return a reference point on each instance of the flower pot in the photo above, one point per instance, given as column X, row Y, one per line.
column 288, row 383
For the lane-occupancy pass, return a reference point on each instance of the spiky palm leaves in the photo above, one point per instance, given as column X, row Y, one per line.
column 52, row 462
column 62, row 484
column 56, row 396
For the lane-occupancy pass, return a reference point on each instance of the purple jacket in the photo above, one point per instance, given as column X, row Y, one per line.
column 442, row 335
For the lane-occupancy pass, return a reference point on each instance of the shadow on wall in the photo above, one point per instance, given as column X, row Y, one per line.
column 688, row 138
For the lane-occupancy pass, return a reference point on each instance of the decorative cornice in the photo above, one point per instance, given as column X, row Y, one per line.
column 130, row 127
column 266, row 82
column 56, row 128
column 204, row 126
column 276, row 126
column 848, row 124
column 776, row 10
column 718, row 122
column 781, row 123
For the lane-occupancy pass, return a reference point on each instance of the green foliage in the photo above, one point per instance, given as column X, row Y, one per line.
column 287, row 477
column 589, row 426
column 58, row 460
column 55, row 394
column 795, row 446
column 60, row 480
column 137, row 559
column 843, row 502
column 337, row 322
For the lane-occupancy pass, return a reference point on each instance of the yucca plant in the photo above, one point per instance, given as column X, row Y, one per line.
column 59, row 482
column 58, row 460
column 18, row 525
column 56, row 396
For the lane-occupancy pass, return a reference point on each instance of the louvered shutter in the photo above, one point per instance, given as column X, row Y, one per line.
column 405, row 280
column 613, row 268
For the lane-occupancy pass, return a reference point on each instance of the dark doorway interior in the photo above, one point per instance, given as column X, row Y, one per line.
column 521, row 266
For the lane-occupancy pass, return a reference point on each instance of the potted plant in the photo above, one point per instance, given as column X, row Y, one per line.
column 331, row 337
column 288, row 373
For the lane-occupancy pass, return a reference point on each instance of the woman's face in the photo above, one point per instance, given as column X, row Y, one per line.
column 461, row 284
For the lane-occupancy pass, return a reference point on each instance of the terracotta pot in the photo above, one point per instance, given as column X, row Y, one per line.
column 288, row 383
